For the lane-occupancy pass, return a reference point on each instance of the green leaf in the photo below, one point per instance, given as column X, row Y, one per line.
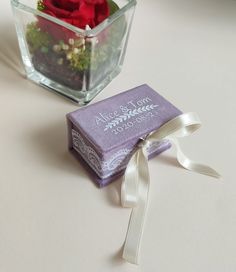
column 113, row 6
column 40, row 5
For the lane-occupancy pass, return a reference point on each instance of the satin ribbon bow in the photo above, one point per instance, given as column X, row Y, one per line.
column 135, row 185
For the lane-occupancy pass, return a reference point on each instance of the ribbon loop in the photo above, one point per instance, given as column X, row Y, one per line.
column 180, row 126
column 135, row 185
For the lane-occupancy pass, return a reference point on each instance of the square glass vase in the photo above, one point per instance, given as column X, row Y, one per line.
column 77, row 63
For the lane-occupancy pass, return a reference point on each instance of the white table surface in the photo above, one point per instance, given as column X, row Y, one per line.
column 53, row 218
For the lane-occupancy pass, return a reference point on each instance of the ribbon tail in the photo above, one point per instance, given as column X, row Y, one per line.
column 191, row 165
column 137, row 217
column 129, row 186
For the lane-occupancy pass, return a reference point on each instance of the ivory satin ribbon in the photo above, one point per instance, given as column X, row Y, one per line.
column 135, row 185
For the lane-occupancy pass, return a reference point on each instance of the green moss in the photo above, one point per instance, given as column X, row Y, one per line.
column 89, row 58
column 44, row 49
column 80, row 62
column 36, row 39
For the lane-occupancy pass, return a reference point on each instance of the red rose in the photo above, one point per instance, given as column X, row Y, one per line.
column 75, row 12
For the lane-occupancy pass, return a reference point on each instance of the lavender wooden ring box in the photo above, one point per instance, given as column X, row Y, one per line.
column 104, row 135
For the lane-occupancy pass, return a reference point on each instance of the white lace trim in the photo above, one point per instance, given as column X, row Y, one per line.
column 104, row 169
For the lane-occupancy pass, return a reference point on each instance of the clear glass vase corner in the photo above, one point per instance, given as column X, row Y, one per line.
column 76, row 63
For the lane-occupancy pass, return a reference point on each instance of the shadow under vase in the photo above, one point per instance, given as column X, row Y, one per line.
column 9, row 53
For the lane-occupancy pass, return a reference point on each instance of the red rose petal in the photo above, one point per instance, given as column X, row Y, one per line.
column 49, row 6
column 75, row 12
